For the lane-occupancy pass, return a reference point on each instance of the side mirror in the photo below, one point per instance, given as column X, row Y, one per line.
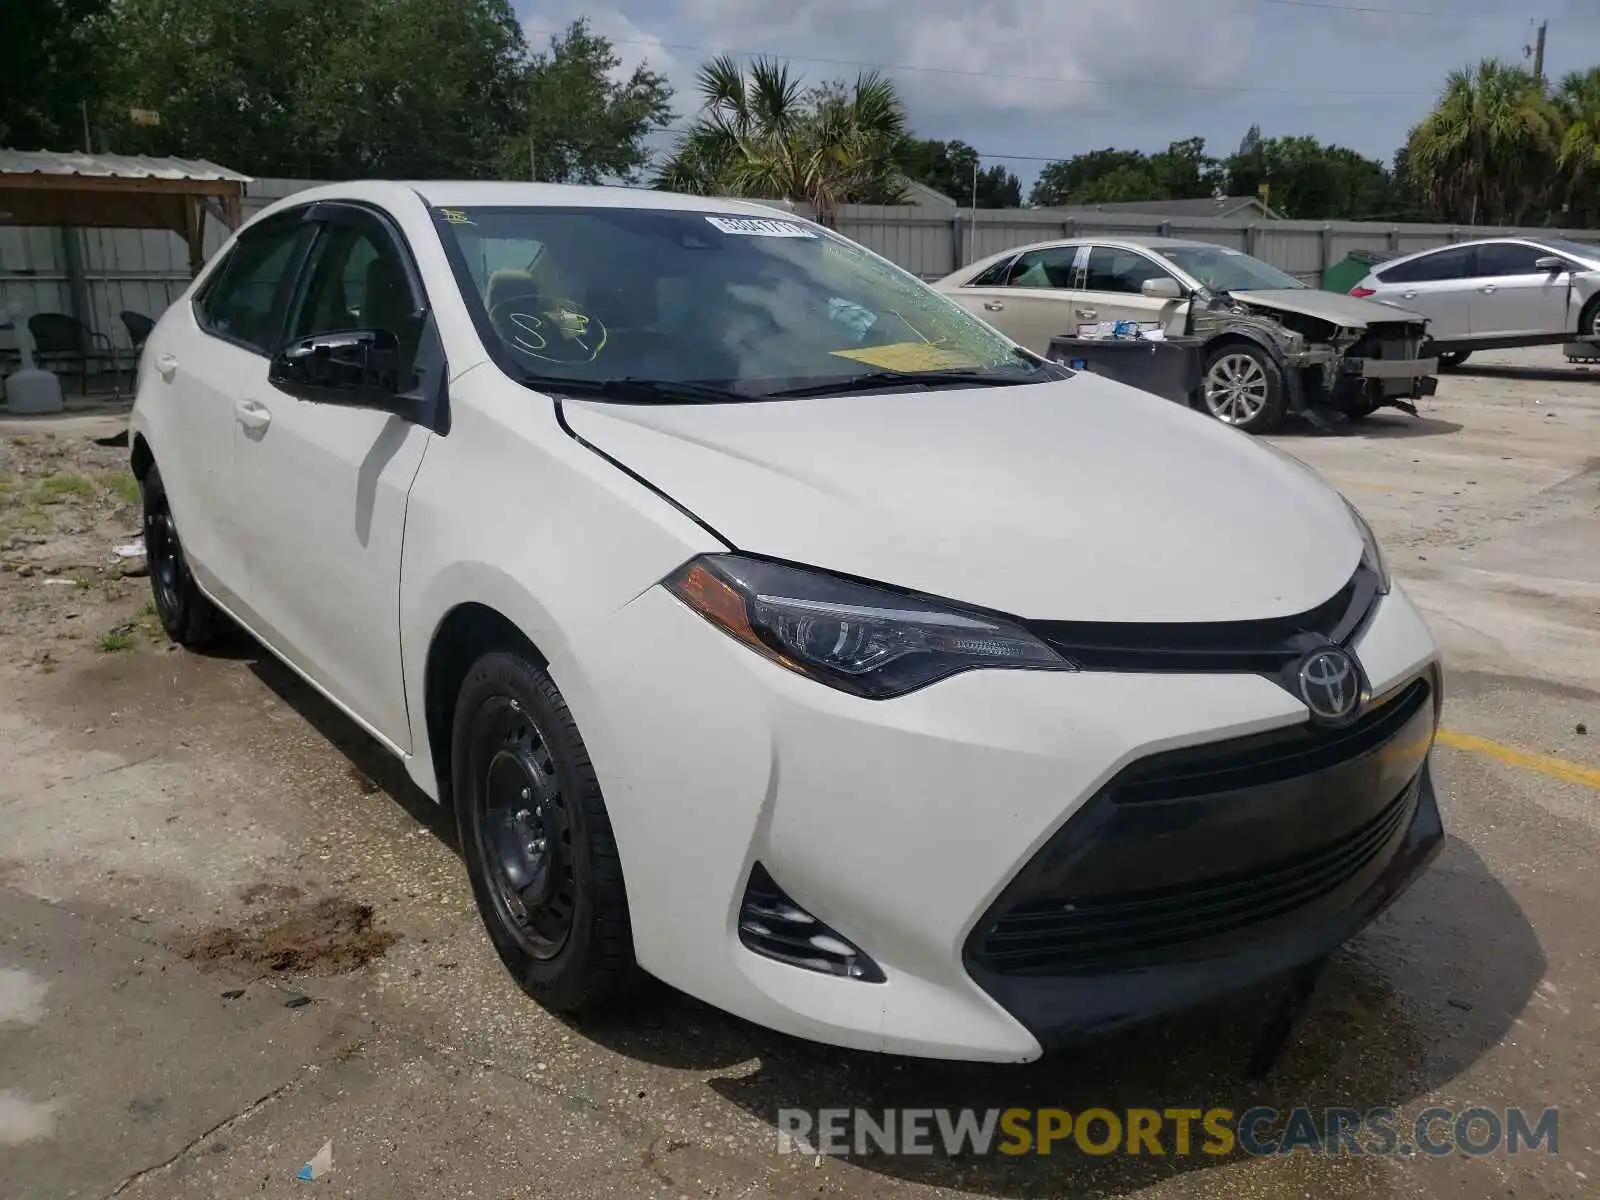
column 1550, row 263
column 357, row 368
column 1163, row 287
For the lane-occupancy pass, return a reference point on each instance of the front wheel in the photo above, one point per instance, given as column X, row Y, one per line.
column 1449, row 360
column 1243, row 387
column 537, row 839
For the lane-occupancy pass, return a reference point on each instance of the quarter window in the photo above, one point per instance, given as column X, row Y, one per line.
column 1122, row 271
column 245, row 300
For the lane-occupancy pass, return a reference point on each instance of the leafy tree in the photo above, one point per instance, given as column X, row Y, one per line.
column 1183, row 171
column 54, row 65
column 1577, row 104
column 583, row 125
column 948, row 167
column 299, row 87
column 1308, row 180
column 1058, row 181
column 762, row 134
column 1487, row 152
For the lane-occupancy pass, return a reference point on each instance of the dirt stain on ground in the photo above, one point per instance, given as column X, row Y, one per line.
column 329, row 936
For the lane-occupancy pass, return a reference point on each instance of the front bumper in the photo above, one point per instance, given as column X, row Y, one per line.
column 1204, row 871
column 902, row 825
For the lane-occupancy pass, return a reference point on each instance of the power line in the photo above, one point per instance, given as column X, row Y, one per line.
column 1438, row 14
column 861, row 64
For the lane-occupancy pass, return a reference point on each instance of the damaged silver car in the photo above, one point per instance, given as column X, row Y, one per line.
column 1271, row 344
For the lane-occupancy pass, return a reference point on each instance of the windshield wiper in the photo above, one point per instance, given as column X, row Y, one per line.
column 877, row 380
column 631, row 389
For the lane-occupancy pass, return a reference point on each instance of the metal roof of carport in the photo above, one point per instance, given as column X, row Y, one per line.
column 117, row 191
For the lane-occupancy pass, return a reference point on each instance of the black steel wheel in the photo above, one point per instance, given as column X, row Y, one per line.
column 189, row 618
column 537, row 839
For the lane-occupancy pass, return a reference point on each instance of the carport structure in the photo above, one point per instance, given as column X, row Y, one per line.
column 113, row 191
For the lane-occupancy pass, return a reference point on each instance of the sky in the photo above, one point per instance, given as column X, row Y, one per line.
column 1026, row 81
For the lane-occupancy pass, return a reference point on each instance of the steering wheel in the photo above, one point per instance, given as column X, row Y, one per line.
column 549, row 329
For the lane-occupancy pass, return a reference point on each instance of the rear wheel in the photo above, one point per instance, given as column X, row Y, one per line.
column 537, row 838
column 1243, row 387
column 1589, row 322
column 1449, row 360
column 188, row 617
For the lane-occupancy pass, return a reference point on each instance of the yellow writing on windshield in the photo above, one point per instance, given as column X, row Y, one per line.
column 909, row 356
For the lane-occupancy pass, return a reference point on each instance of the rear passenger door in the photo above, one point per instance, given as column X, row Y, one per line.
column 1111, row 289
column 1028, row 298
column 204, row 367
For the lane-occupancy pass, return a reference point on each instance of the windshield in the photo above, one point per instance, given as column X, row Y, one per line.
column 1224, row 270
column 754, row 306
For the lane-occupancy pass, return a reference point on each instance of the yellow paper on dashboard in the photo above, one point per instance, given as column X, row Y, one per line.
column 909, row 356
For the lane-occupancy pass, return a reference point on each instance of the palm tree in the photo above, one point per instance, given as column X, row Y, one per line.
column 764, row 135
column 1577, row 100
column 1489, row 147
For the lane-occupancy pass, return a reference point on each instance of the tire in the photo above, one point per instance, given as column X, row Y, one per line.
column 189, row 618
column 1449, row 360
column 1589, row 321
column 1242, row 385
column 522, row 778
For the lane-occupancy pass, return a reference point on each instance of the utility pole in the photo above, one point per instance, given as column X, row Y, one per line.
column 1538, row 52
column 972, row 249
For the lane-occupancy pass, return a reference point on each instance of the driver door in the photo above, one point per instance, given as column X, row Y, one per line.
column 1111, row 290
column 322, row 488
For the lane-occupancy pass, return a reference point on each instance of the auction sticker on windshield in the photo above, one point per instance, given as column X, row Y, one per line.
column 761, row 227
column 909, row 356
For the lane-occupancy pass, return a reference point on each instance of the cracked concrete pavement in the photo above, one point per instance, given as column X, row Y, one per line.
column 148, row 794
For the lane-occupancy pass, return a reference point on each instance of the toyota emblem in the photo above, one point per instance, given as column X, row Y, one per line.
column 1330, row 683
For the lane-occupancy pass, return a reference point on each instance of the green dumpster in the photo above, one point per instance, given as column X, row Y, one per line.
column 1344, row 275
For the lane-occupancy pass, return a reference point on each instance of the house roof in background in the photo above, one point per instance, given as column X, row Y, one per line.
column 1226, row 206
column 114, row 166
column 921, row 193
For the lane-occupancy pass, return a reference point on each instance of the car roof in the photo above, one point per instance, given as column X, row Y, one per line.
column 447, row 193
column 1531, row 239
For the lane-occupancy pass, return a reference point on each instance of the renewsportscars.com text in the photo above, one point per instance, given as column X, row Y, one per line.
column 1175, row 1132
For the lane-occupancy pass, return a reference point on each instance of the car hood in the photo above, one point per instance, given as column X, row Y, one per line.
column 1350, row 311
column 1078, row 499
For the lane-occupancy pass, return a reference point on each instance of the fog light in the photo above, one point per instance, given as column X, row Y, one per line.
column 774, row 926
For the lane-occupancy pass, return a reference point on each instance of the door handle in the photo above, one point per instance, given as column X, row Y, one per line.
column 1088, row 314
column 252, row 415
column 1408, row 295
column 1488, row 287
column 167, row 366
column 994, row 306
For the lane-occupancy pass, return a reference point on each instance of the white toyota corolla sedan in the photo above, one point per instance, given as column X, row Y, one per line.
column 778, row 629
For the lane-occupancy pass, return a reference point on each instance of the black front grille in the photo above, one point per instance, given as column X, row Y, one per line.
column 1197, row 852
column 1157, row 925
column 1264, row 647
column 1267, row 758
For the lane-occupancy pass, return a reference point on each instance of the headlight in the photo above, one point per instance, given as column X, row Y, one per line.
column 1372, row 553
column 861, row 639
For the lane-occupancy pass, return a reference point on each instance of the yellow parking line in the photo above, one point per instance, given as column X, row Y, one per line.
column 1556, row 768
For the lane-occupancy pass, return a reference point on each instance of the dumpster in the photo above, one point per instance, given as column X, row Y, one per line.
column 1352, row 269
column 1170, row 368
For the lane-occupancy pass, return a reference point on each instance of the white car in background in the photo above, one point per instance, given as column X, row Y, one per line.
column 1495, row 294
column 774, row 627
column 1272, row 345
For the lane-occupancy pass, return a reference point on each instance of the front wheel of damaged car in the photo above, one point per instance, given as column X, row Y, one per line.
column 1243, row 386
column 536, row 837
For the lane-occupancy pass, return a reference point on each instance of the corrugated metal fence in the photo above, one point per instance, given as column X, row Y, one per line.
column 144, row 271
